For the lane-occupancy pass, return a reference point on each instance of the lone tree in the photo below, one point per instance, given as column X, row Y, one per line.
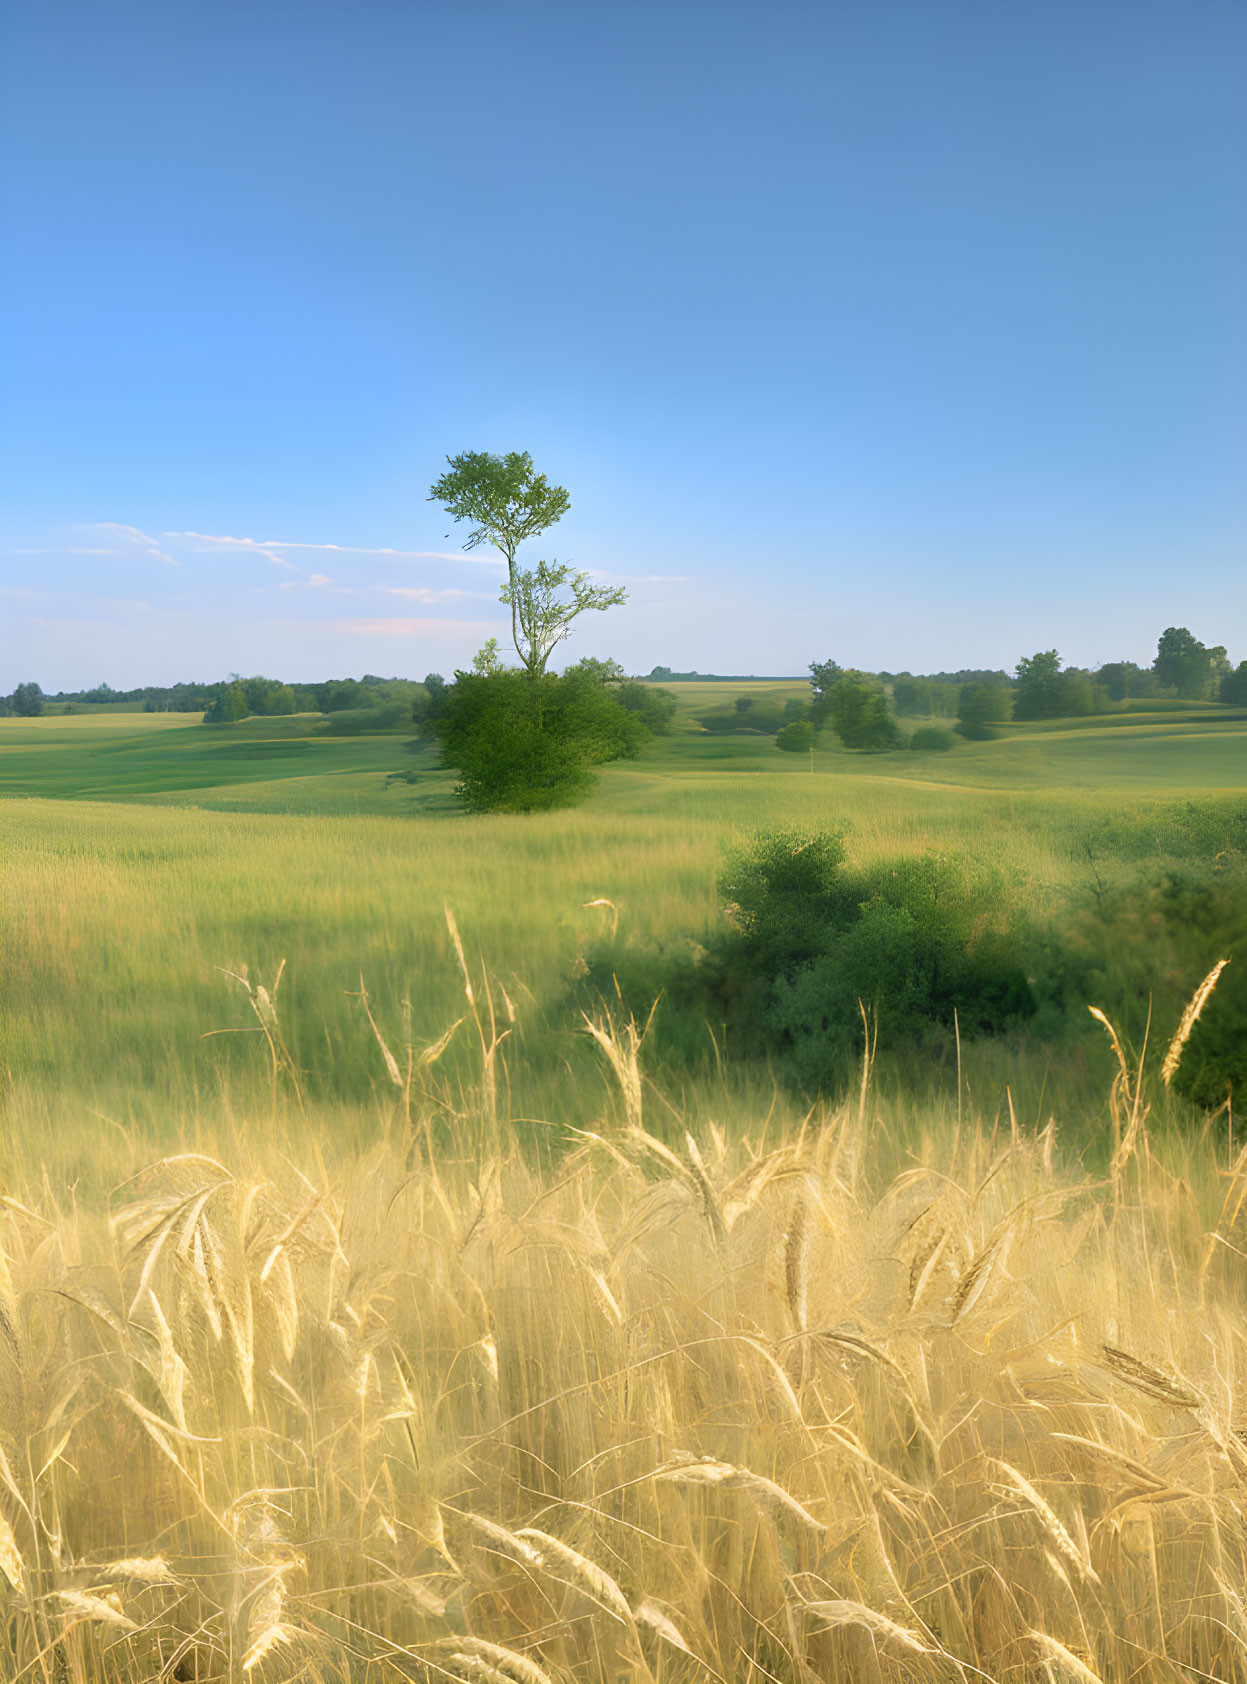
column 505, row 501
column 541, row 618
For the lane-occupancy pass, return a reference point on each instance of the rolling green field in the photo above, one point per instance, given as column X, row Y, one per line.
column 147, row 853
column 480, row 1366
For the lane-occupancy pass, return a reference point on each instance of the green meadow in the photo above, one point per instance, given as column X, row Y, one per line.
column 147, row 855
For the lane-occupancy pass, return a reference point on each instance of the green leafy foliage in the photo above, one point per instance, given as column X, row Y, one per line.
column 797, row 737
column 856, row 706
column 929, row 739
column 654, row 706
column 28, row 701
column 1233, row 688
column 525, row 745
column 545, row 600
column 502, row 497
column 229, row 706
column 761, row 716
column 1188, row 666
column 913, row 942
column 1045, row 691
column 980, row 707
column 809, row 940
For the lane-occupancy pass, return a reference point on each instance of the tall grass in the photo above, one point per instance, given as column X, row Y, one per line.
column 807, row 1402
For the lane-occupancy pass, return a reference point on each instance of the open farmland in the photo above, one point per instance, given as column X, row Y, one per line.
column 936, row 1377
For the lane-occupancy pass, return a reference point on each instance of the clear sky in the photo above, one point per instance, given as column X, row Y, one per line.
column 907, row 332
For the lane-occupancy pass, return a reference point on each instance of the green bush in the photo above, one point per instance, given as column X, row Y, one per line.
column 913, row 941
column 797, row 737
column 526, row 746
column 929, row 739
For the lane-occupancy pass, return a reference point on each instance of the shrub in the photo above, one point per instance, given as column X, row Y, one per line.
column 524, row 745
column 796, row 737
column 929, row 739
column 913, row 941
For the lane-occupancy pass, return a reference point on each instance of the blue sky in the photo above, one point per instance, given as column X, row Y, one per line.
column 910, row 334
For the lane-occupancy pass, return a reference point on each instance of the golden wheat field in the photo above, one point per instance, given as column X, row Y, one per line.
column 799, row 1404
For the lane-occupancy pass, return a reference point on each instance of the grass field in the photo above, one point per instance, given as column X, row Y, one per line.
column 143, row 851
column 924, row 1383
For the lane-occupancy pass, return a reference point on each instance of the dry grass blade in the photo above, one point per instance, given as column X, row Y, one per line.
column 844, row 1612
column 1108, row 1456
column 1190, row 1017
column 459, row 954
column 391, row 1063
column 797, row 1262
column 434, row 1051
column 765, row 1492
column 11, row 1564
column 507, row 1542
column 651, row 1615
column 1016, row 1484
column 511, row 1663
column 1144, row 1378
column 146, row 1569
column 623, row 1060
column 1067, row 1664
column 595, row 1581
column 107, row 1610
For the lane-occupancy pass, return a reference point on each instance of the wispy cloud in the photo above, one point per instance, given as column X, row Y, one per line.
column 134, row 536
column 266, row 545
column 223, row 541
column 426, row 593
column 65, row 549
column 412, row 628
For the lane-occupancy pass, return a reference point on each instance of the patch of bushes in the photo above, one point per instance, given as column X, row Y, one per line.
column 929, row 739
column 528, row 745
column 797, row 737
column 807, row 937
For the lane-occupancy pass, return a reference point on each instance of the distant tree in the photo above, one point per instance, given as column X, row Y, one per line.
column 856, row 706
column 744, row 703
column 795, row 708
column 267, row 696
column 1233, row 688
column 430, row 702
column 797, row 737
column 606, row 672
column 336, row 693
column 980, row 707
column 544, row 601
column 1077, row 694
column 1186, row 665
column 1037, row 695
column 824, row 677
column 924, row 698
column 229, row 707
column 1125, row 681
column 654, row 706
column 28, row 701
